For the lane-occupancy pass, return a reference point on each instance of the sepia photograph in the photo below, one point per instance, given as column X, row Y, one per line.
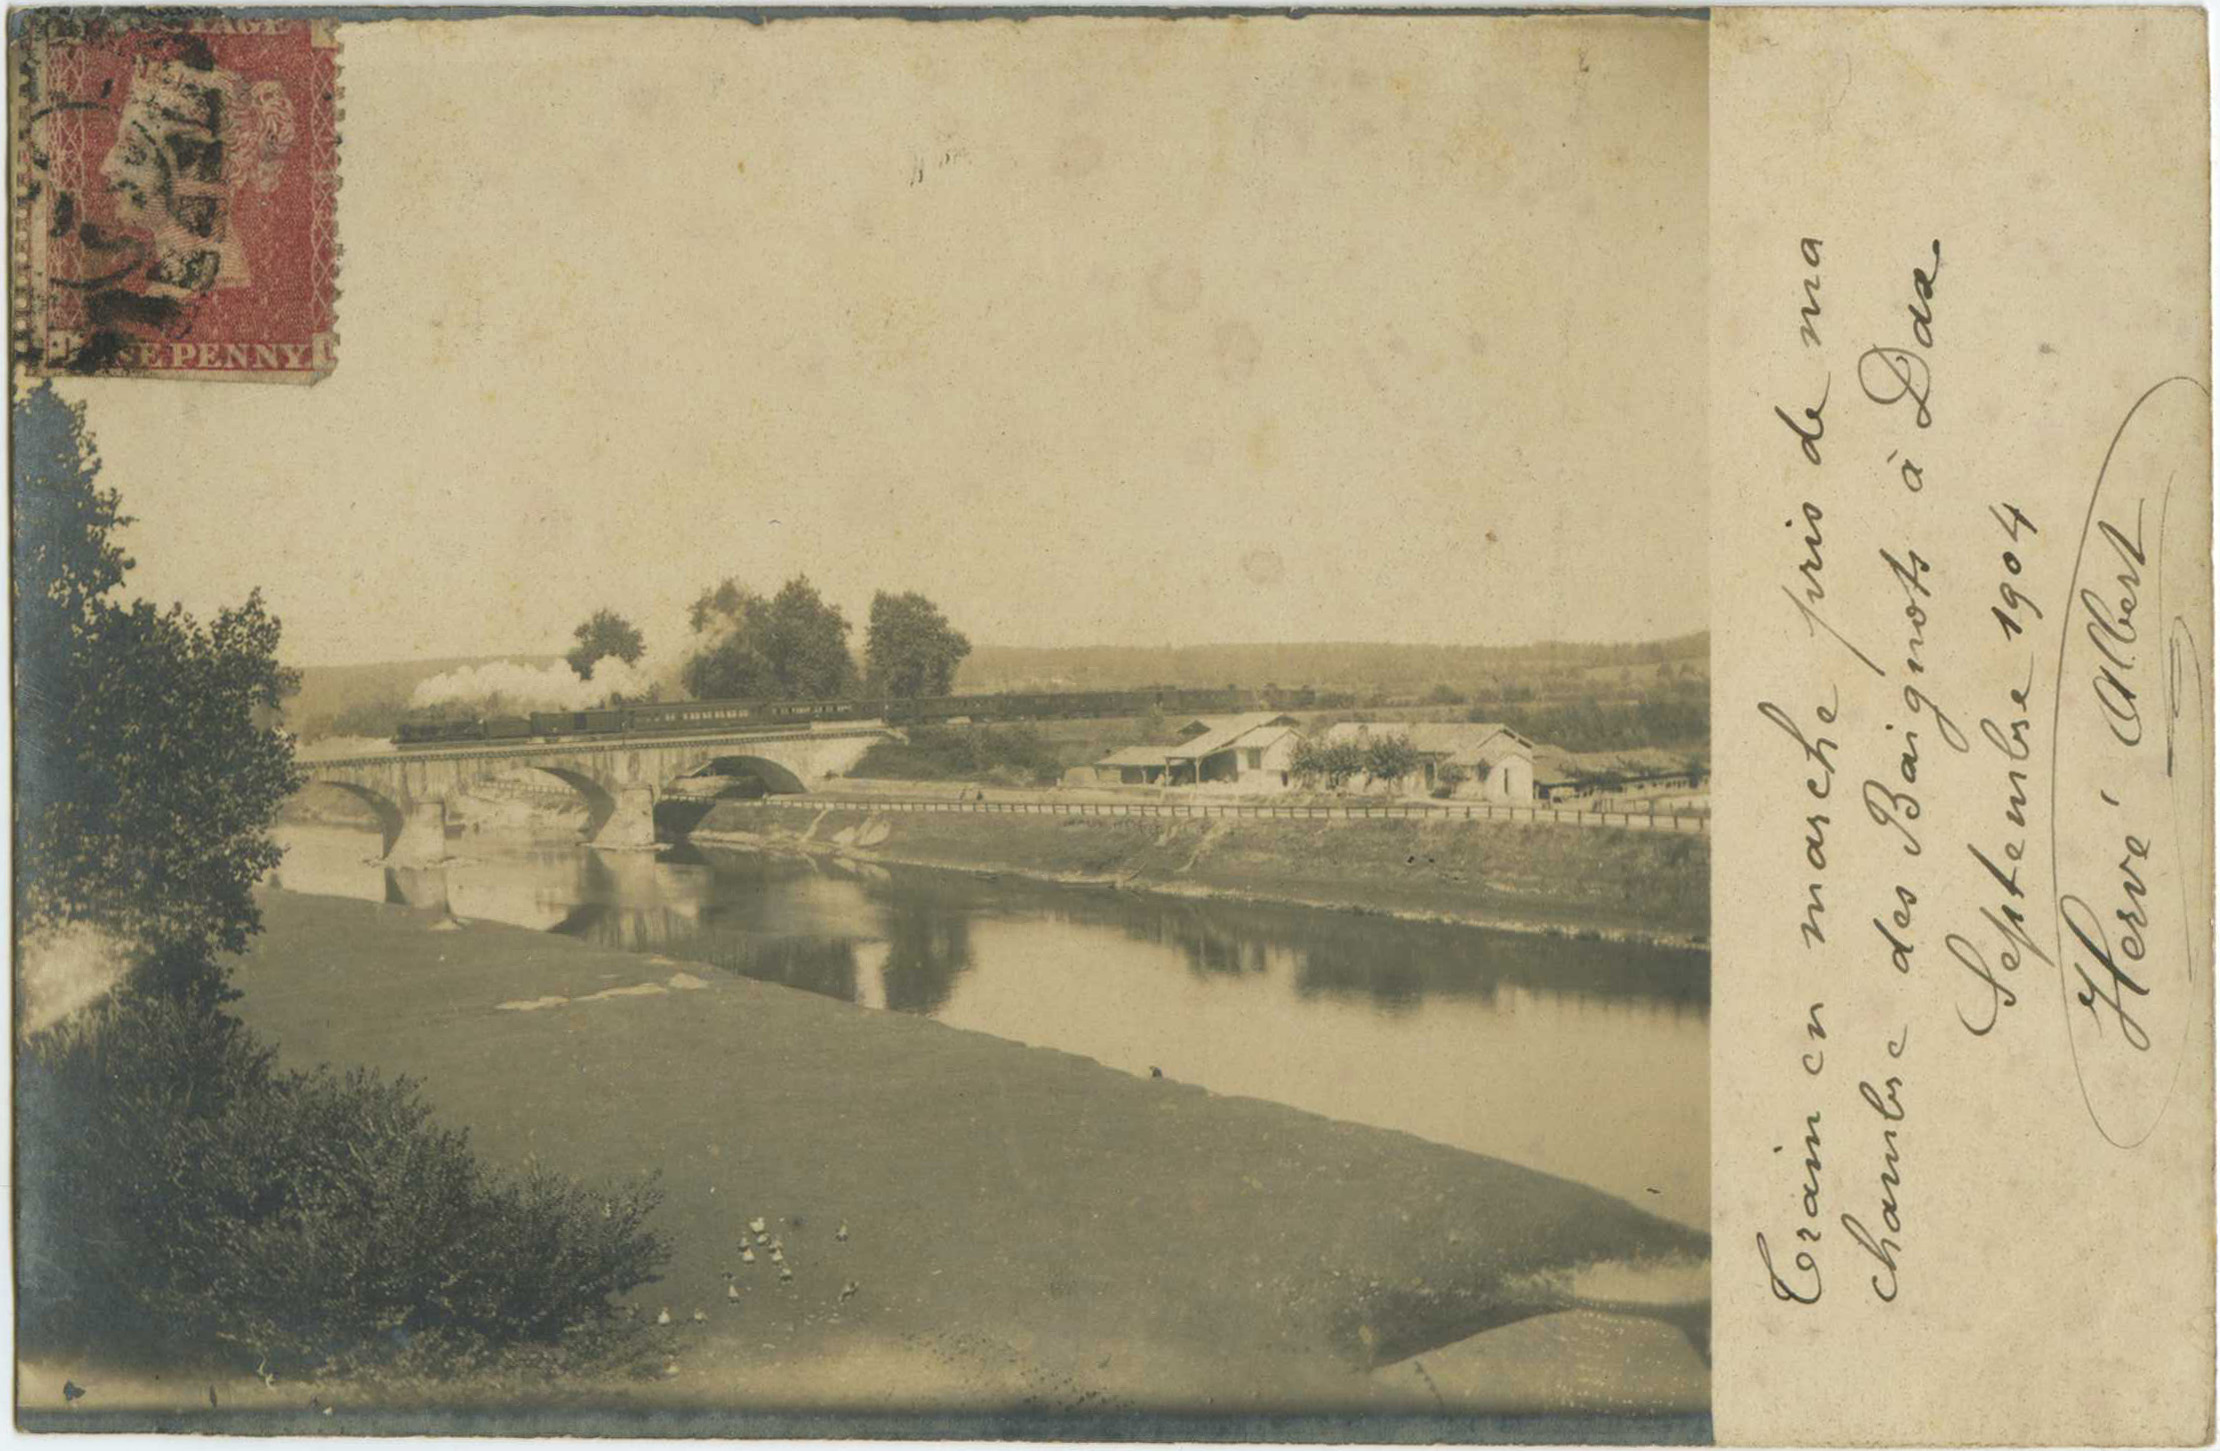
column 845, row 725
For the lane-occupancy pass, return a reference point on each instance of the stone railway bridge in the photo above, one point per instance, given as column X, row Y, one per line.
column 617, row 777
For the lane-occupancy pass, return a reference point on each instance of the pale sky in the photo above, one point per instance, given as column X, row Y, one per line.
column 1096, row 331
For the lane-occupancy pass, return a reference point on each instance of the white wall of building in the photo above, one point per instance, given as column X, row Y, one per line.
column 1512, row 780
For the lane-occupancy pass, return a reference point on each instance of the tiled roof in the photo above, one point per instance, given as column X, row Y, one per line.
column 1465, row 742
column 1224, row 730
column 1134, row 756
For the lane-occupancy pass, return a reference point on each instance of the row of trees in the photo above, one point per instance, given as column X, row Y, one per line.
column 1334, row 763
column 792, row 645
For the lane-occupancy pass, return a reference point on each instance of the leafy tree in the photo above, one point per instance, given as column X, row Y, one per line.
column 728, row 663
column 1316, row 760
column 807, row 644
column 793, row 646
column 147, row 774
column 1390, row 758
column 604, row 635
column 910, row 649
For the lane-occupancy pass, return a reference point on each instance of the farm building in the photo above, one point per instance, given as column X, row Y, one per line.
column 1251, row 752
column 1478, row 760
column 1556, row 778
column 1133, row 766
column 1566, row 776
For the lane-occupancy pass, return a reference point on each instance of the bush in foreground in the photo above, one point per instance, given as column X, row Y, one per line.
column 196, row 1202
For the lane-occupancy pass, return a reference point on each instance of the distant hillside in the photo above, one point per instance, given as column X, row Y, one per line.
column 1549, row 669
column 367, row 699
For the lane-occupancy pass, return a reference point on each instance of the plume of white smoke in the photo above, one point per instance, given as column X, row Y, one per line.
column 535, row 687
column 65, row 968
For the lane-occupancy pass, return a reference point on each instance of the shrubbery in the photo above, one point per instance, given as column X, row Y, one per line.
column 1015, row 755
column 195, row 1201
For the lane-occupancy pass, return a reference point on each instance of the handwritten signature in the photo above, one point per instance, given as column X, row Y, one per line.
column 2127, row 818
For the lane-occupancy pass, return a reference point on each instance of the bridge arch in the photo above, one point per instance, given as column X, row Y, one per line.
column 777, row 779
column 391, row 817
column 601, row 803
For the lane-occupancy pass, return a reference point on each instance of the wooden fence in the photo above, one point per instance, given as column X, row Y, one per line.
column 1681, row 822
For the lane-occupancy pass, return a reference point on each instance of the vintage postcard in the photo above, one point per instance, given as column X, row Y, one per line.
column 991, row 725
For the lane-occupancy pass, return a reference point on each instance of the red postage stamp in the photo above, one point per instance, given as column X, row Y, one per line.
column 176, row 179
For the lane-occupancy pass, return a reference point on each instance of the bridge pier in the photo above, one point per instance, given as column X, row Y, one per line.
column 424, row 888
column 631, row 827
column 423, row 838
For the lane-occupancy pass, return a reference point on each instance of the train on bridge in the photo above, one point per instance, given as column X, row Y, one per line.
column 697, row 716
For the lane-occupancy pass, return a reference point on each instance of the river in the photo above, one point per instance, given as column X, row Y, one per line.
column 1584, row 1059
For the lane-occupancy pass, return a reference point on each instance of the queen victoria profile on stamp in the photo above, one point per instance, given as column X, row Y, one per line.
column 175, row 196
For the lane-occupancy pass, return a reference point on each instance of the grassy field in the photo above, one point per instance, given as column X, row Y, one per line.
column 1650, row 885
column 1024, row 1230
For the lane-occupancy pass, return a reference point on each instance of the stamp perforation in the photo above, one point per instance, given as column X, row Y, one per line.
column 175, row 197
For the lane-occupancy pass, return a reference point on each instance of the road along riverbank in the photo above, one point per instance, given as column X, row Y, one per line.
column 1626, row 885
column 971, row 1223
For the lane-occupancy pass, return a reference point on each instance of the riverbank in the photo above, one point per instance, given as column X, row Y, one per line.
column 1025, row 1230
column 1630, row 886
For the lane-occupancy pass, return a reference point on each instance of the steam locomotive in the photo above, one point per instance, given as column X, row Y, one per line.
column 692, row 716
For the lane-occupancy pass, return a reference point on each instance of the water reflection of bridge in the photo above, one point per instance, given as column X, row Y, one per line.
column 903, row 939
